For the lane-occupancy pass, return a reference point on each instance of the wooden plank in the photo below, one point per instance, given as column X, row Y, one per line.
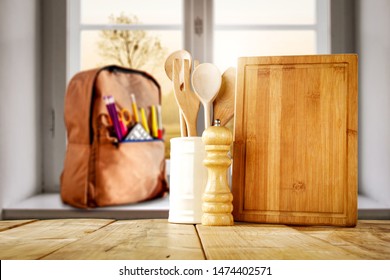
column 8, row 224
column 275, row 242
column 137, row 240
column 295, row 159
column 368, row 240
column 36, row 240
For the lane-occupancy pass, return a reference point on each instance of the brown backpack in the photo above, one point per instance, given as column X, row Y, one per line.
column 99, row 170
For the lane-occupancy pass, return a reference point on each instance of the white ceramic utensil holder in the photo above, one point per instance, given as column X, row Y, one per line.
column 188, row 178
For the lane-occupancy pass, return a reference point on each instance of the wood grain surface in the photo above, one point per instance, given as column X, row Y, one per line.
column 255, row 242
column 38, row 239
column 136, row 240
column 369, row 239
column 160, row 240
column 4, row 225
column 295, row 142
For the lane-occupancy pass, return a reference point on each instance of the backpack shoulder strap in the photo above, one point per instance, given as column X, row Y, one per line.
column 78, row 102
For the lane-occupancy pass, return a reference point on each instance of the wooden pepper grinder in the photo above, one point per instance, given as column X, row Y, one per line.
column 217, row 199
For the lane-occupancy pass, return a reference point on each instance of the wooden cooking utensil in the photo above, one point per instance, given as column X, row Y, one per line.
column 223, row 105
column 185, row 97
column 181, row 54
column 206, row 81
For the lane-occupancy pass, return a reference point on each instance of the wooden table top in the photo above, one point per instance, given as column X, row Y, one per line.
column 158, row 239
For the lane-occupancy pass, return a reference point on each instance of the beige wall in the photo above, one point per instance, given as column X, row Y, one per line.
column 373, row 44
column 20, row 116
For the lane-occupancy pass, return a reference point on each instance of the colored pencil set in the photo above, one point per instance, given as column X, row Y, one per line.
column 136, row 128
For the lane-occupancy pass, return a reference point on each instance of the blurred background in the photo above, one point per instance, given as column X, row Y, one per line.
column 43, row 43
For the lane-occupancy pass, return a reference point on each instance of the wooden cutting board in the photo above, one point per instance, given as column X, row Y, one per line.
column 295, row 140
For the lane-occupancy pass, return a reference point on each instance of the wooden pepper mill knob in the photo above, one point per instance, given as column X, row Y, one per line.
column 217, row 204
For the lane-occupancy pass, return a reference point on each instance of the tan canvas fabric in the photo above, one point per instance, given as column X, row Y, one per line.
column 99, row 170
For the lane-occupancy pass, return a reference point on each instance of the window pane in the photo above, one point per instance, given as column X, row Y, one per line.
column 94, row 46
column 265, row 12
column 260, row 43
column 147, row 11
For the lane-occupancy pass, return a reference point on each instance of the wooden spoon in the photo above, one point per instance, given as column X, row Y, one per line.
column 223, row 105
column 185, row 97
column 206, row 81
column 181, row 54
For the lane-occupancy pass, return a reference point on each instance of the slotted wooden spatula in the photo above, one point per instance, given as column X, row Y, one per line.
column 185, row 97
column 223, row 105
column 181, row 54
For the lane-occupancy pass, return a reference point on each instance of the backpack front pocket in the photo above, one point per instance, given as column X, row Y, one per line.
column 129, row 172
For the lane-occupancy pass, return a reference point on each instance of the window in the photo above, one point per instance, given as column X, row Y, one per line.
column 219, row 28
column 217, row 31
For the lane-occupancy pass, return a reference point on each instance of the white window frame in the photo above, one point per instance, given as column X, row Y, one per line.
column 199, row 45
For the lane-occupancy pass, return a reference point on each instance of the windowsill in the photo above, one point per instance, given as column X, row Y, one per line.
column 50, row 206
column 369, row 209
